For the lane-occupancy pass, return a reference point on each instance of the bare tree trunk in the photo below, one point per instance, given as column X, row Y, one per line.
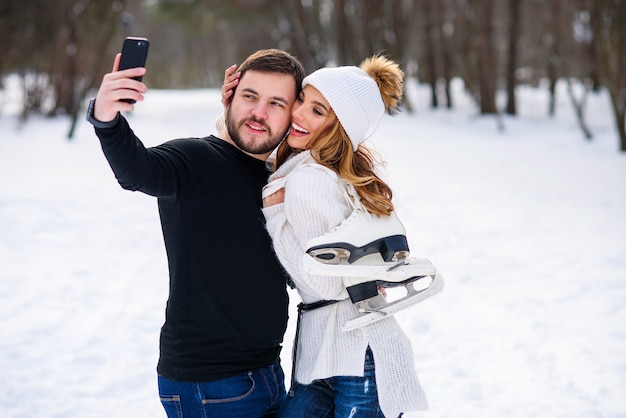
column 486, row 62
column 446, row 30
column 369, row 16
column 553, row 52
column 34, row 88
column 299, row 27
column 429, row 40
column 343, row 32
column 619, row 110
column 398, row 29
column 610, row 39
column 401, row 16
column 465, row 40
column 618, row 92
column 579, row 108
column 372, row 26
column 594, row 70
column 514, row 35
column 71, row 78
column 99, row 41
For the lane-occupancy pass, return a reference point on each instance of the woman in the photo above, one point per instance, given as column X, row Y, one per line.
column 368, row 371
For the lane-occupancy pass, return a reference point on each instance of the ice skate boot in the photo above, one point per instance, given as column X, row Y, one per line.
column 358, row 236
column 369, row 252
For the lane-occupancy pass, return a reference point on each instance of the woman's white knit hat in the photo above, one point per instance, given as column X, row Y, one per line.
column 354, row 97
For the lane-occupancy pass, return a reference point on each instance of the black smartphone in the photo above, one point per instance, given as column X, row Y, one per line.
column 134, row 54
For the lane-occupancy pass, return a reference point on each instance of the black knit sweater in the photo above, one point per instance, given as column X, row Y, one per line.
column 227, row 306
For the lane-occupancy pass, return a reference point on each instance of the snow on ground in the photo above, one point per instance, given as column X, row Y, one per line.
column 527, row 225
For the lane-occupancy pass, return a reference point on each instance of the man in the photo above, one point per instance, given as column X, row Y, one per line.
column 227, row 308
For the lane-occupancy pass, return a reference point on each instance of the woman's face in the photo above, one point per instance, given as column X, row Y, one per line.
column 310, row 116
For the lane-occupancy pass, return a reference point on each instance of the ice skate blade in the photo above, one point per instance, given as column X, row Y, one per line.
column 361, row 290
column 385, row 271
column 414, row 296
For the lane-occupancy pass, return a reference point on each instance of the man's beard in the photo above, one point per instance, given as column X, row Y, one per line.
column 256, row 148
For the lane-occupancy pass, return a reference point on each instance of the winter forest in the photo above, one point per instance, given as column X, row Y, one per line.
column 492, row 46
column 507, row 161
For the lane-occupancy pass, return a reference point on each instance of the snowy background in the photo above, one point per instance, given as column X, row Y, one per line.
column 528, row 226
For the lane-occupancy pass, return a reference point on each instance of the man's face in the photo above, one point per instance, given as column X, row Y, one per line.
column 260, row 112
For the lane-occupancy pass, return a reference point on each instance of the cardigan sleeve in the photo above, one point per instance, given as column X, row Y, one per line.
column 314, row 204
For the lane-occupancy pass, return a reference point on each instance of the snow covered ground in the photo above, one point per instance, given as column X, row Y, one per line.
column 528, row 226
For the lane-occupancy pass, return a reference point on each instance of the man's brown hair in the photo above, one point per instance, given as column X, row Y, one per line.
column 275, row 61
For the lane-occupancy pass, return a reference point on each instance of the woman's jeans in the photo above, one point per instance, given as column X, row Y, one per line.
column 257, row 393
column 339, row 396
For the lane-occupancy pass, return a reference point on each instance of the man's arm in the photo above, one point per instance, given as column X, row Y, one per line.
column 153, row 171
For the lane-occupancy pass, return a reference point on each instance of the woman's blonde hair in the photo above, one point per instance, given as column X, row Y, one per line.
column 333, row 147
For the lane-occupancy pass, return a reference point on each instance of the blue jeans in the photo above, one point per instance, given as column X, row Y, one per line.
column 338, row 396
column 257, row 393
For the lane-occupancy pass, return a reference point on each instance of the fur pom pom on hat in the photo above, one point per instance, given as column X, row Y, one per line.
column 360, row 96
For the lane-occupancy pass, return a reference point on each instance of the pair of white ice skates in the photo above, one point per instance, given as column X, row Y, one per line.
column 370, row 252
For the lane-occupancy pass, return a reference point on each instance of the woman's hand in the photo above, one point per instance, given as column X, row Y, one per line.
column 231, row 79
column 275, row 198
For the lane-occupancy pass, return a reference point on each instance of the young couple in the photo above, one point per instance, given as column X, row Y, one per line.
column 226, row 313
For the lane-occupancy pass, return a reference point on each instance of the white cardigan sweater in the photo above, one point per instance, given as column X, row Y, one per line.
column 314, row 204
